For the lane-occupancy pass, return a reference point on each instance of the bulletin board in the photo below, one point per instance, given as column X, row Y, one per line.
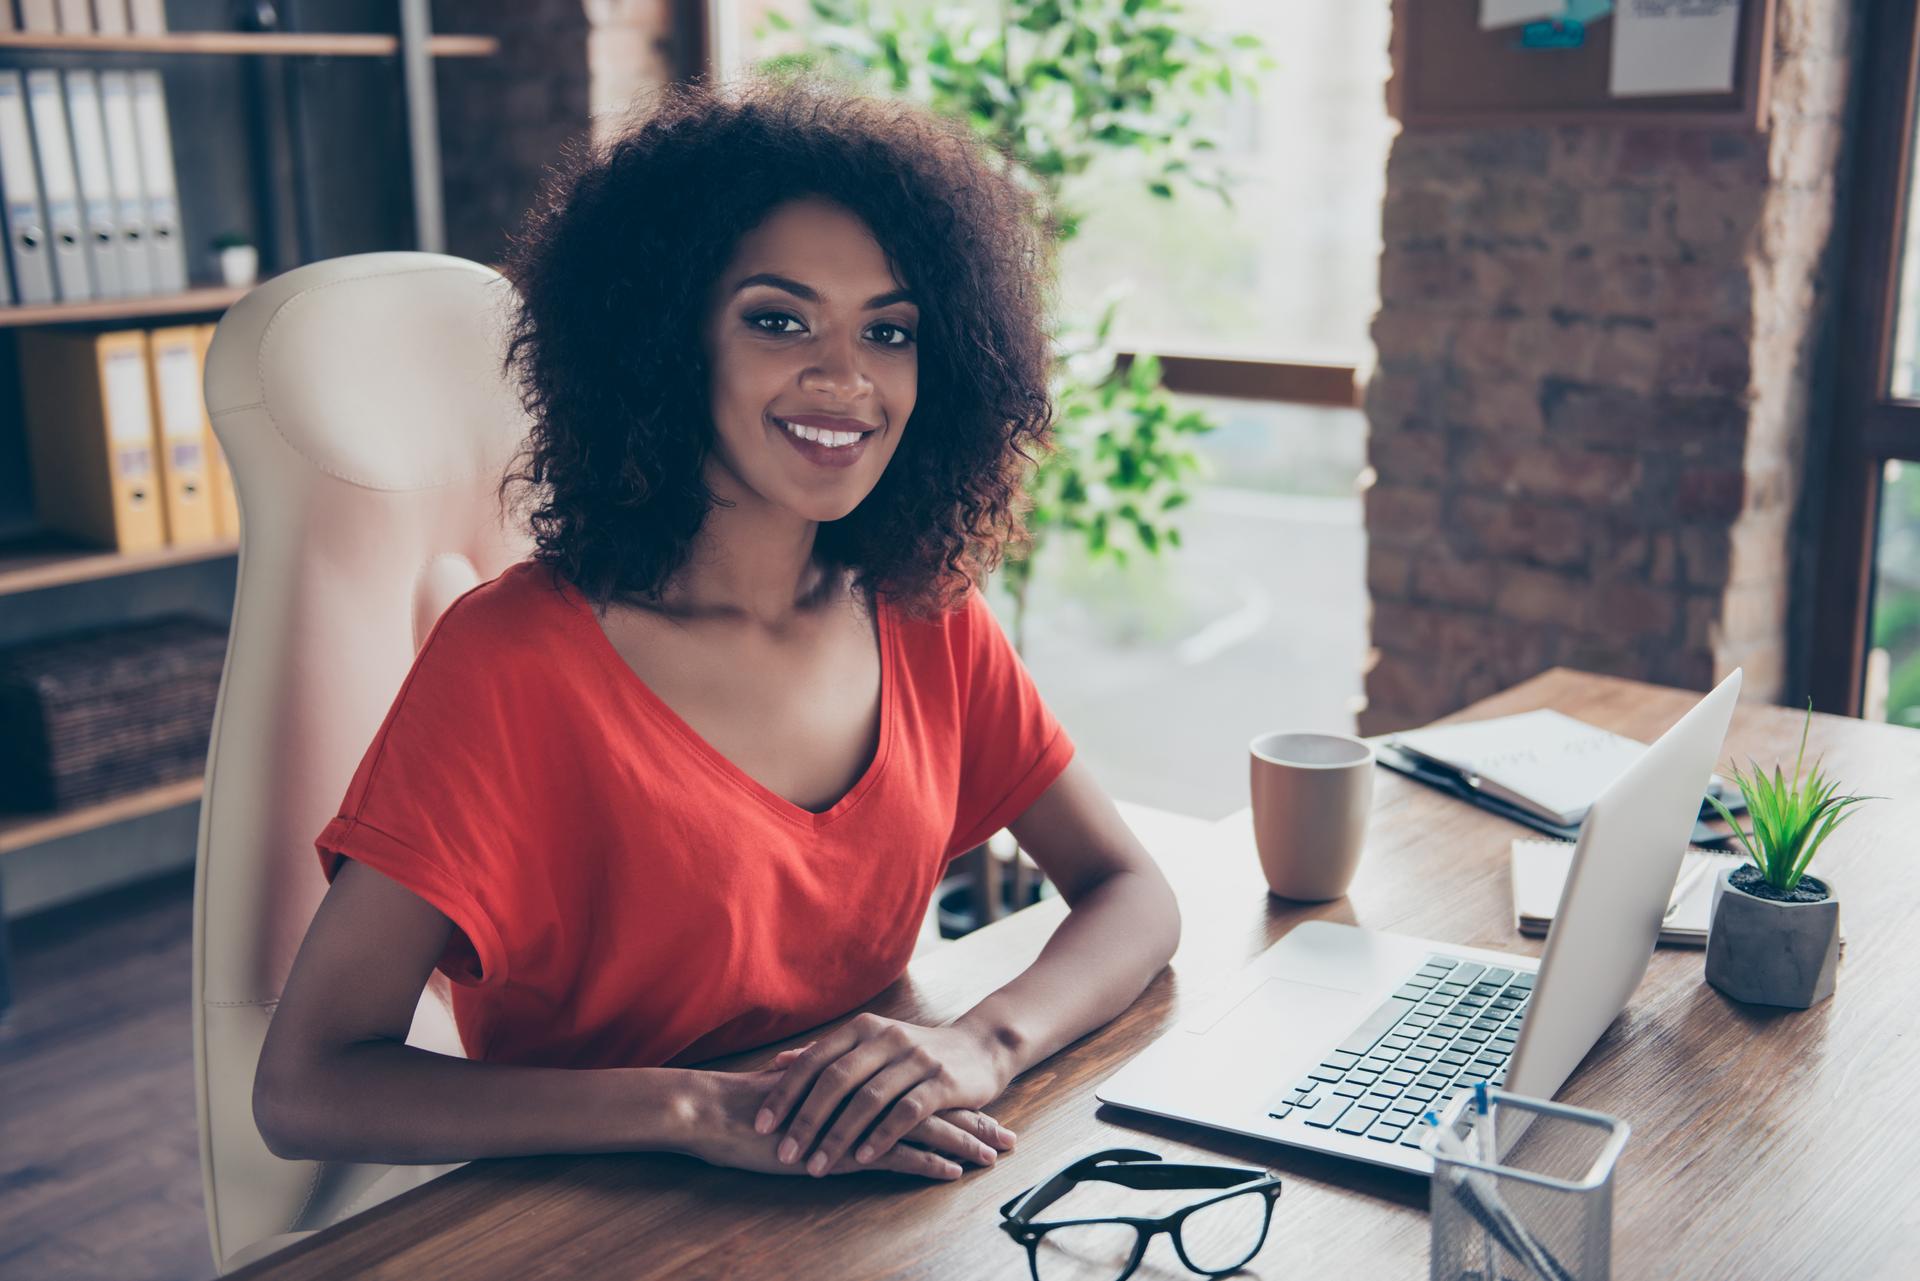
column 1447, row 72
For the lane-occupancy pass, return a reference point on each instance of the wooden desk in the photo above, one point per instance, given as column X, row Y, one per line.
column 1743, row 1161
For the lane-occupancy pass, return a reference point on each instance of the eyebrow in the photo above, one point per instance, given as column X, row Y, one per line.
column 799, row 290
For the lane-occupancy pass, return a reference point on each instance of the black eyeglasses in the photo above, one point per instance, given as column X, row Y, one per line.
column 1212, row 1237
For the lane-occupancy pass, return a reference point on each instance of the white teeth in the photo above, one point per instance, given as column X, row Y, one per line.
column 831, row 439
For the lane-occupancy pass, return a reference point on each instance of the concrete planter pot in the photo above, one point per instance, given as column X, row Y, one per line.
column 1769, row 952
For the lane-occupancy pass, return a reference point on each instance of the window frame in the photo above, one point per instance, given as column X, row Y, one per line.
column 1870, row 426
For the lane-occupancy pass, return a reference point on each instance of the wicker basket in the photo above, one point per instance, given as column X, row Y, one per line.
column 98, row 713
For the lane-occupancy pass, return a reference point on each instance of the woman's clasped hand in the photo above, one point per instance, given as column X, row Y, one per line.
column 932, row 1145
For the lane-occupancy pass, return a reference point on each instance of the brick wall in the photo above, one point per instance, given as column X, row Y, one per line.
column 564, row 67
column 1598, row 353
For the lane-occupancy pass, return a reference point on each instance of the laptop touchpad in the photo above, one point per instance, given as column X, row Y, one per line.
column 1289, row 1013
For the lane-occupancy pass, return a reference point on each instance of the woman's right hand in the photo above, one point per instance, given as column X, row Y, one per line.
column 725, row 1104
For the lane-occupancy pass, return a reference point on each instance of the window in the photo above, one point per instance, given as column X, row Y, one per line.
column 1290, row 270
column 1893, row 666
column 1866, row 652
column 1258, row 620
column 1165, row 669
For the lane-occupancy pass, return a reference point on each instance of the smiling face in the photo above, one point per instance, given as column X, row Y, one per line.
column 808, row 327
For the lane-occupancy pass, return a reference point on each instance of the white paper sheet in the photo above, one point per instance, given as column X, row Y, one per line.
column 1542, row 760
column 1507, row 13
column 1674, row 46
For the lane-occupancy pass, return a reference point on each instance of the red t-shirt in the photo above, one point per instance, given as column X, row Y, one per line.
column 624, row 895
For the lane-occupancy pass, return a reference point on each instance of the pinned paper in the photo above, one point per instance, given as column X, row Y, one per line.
column 1558, row 34
column 1674, row 46
column 1507, row 13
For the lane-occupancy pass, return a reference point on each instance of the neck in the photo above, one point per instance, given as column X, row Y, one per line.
column 751, row 562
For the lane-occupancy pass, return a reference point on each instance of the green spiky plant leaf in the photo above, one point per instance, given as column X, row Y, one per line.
column 1789, row 820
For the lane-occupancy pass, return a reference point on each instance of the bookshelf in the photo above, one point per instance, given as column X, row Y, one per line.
column 28, row 565
column 40, row 561
column 20, row 831
column 194, row 301
column 281, row 44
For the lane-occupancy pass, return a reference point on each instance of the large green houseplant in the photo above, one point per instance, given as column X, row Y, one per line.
column 1774, row 937
column 1051, row 86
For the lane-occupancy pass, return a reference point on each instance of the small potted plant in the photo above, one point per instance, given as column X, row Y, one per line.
column 1774, row 937
column 239, row 260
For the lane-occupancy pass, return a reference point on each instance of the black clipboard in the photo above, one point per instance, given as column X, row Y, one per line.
column 1709, row 831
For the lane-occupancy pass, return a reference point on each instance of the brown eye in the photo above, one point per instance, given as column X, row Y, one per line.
column 753, row 321
column 906, row 336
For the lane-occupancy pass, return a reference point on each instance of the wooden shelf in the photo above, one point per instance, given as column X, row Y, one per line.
column 18, row 831
column 286, row 43
column 73, row 313
column 30, row 564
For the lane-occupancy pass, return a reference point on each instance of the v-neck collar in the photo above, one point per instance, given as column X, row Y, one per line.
column 623, row 673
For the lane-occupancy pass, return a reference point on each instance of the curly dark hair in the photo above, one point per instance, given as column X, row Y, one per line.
column 613, row 267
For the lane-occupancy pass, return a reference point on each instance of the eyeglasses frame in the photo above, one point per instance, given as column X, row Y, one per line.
column 1117, row 1165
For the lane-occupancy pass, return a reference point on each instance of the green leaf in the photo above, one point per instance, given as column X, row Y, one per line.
column 1144, row 373
column 1790, row 820
column 1746, row 843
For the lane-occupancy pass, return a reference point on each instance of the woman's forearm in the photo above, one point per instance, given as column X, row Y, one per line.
column 397, row 1104
column 1106, row 951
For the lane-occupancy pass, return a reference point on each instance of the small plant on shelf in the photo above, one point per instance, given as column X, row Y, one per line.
column 239, row 260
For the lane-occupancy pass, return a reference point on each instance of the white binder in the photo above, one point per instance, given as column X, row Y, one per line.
column 149, row 17
column 39, row 16
column 76, row 17
column 110, row 17
column 165, row 247
column 65, row 237
column 123, row 161
column 20, row 183
column 99, row 216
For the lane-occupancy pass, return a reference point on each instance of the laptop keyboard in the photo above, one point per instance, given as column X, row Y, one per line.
column 1452, row 1023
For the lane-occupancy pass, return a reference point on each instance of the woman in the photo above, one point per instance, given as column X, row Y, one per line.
column 682, row 782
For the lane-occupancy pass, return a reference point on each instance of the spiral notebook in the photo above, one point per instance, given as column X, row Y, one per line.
column 1540, row 872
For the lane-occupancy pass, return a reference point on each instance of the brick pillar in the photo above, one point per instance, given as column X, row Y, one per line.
column 1593, row 393
column 564, row 67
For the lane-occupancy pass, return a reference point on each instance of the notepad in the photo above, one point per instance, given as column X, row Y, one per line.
column 1543, row 762
column 1540, row 868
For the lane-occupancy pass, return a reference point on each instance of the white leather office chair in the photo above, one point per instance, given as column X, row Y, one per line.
column 361, row 405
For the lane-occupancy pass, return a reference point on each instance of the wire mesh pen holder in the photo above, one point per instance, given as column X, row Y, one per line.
column 1542, row 1210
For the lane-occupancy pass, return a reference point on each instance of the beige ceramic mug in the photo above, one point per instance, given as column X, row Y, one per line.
column 1311, row 793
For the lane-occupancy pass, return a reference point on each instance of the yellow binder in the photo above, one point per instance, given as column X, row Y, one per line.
column 226, row 502
column 90, row 433
column 174, row 358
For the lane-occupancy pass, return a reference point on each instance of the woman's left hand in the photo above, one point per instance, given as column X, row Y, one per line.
column 883, row 1069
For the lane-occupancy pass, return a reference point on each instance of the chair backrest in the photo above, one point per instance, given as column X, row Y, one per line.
column 363, row 410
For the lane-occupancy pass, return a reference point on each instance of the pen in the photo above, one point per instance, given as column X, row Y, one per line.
column 1483, row 1142
column 1477, row 1195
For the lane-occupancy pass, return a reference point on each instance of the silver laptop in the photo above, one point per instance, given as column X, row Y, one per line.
column 1339, row 1039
